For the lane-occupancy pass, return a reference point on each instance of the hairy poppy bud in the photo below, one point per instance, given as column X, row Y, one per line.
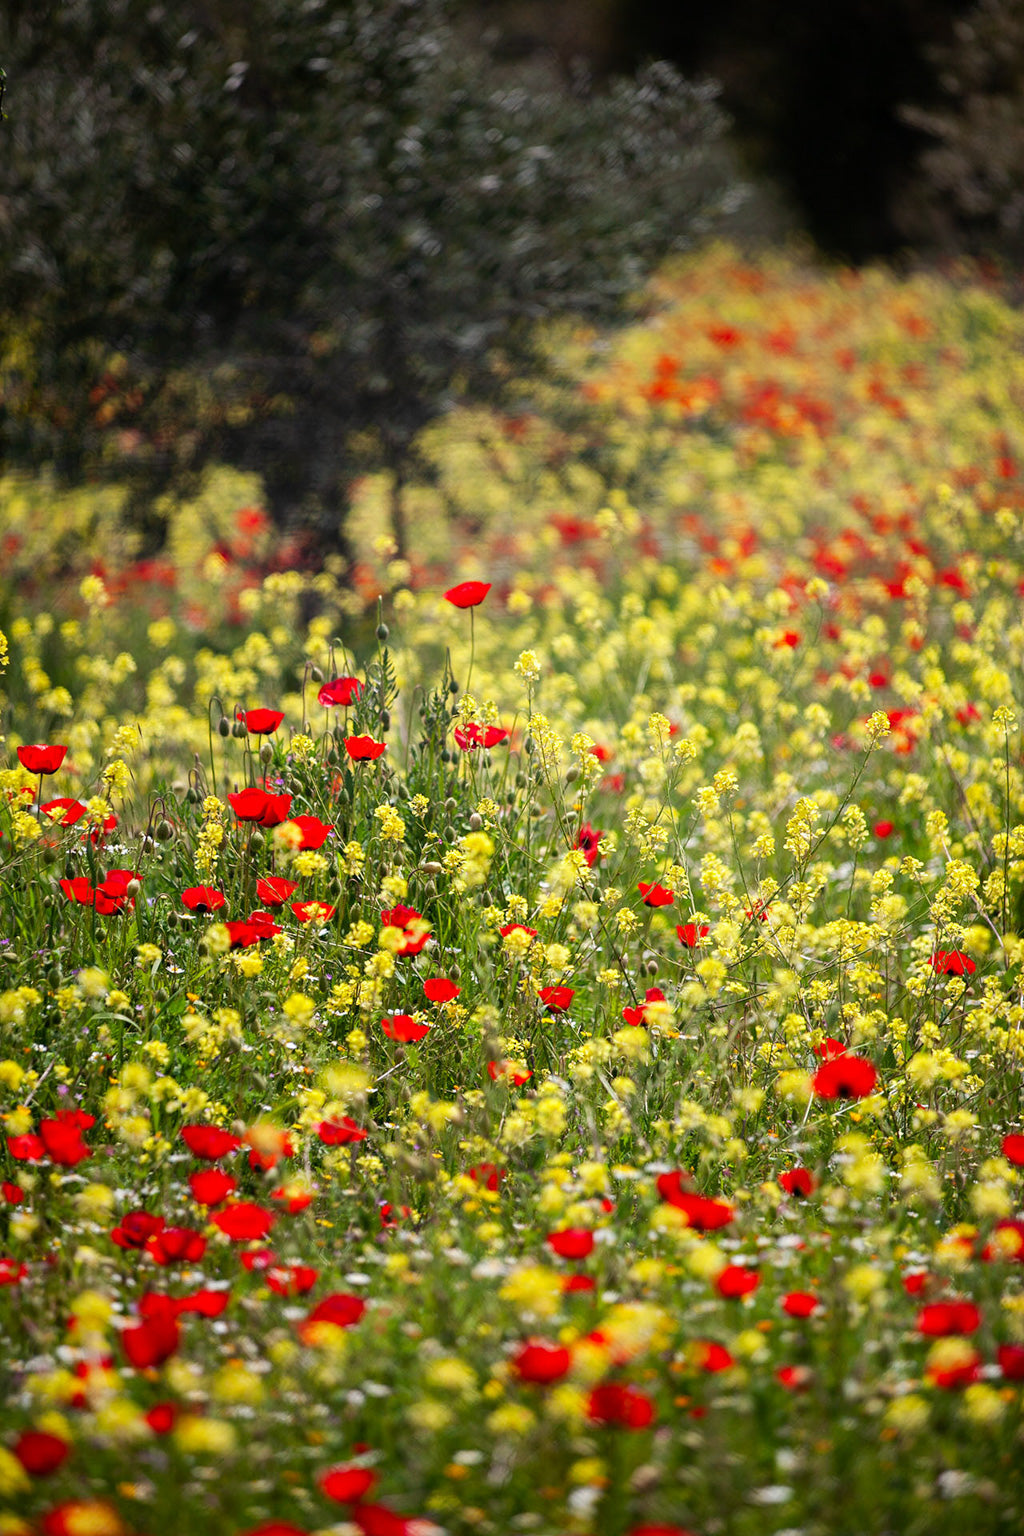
column 382, row 632
column 266, row 752
column 164, row 832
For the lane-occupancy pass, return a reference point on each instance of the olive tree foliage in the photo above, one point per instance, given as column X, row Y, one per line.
column 972, row 190
column 289, row 233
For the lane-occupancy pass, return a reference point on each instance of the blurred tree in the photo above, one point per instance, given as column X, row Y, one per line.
column 972, row 193
column 289, row 234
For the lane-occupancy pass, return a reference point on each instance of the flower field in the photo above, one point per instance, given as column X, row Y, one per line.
column 542, row 1052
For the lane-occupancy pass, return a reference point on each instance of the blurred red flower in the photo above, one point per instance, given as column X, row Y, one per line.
column 654, row 895
column 414, row 926
column 556, row 998
column 210, row 1186
column 953, row 962
column 736, row 1281
column 797, row 1181
column 690, row 934
column 339, row 1133
column 614, row 1403
column 845, row 1077
column 469, row 737
column 244, row 1222
column 314, row 831
column 943, row 1319
column 274, row 890
column 541, row 1363
column 209, row 1141
column 347, row 1485
column 41, row 1453
column 136, row 1228
column 571, row 1242
column 151, row 1343
column 799, row 1304
column 176, row 1245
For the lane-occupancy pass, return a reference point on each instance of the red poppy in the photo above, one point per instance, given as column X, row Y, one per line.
column 209, row 1141
column 241, row 935
column 79, row 890
column 262, row 722
column 711, row 1356
column 574, row 1283
column 962, row 1374
column 571, row 1242
column 556, row 998
column 263, row 1155
column 176, row 1245
column 845, row 1077
column 467, row 594
column 13, row 1193
column 942, row 1319
column 41, row 759
column 291, row 1279
column 884, row 828
column 136, row 1228
column 437, row 989
column 244, row 1222
column 378, row 1520
column 1011, row 1361
column 363, row 749
column 797, row 1181
column 41, row 1453
column 203, row 898
column 540, row 1363
column 489, row 1175
column 638, row 1015
column 702, row 1213
column 339, row 1133
column 953, row 962
column 795, row 1378
column 294, row 1198
column 204, row 1302
column 658, row 1530
column 469, row 737
column 414, row 926
column 313, row 911
column 314, row 831
column 260, row 807
column 210, row 1186
column 12, row 1272
column 112, row 893
column 347, row 1485
column 828, row 1049
column 263, row 925
column 63, row 811
column 151, row 1343
column 588, row 840
column 690, row 934
column 736, row 1281
column 340, row 691
column 497, row 1070
column 274, row 890
column 1013, row 1150
column 517, row 928
column 83, row 1515
column 799, row 1304
column 340, row 1308
column 62, row 1139
column 26, row 1149
column 162, row 1417
column 654, row 895
column 403, row 1028
column 613, row 1403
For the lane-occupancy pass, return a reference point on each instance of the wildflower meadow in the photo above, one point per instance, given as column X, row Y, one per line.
column 525, row 1033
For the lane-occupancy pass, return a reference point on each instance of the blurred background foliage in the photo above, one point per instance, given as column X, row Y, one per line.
column 287, row 238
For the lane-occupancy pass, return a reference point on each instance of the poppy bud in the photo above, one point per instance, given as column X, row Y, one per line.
column 572, row 774
column 382, row 632
column 266, row 752
column 238, row 729
column 133, row 887
column 224, row 725
column 257, row 840
column 385, row 719
column 164, row 831
column 529, row 746
column 192, row 795
column 652, row 967
column 315, row 675
column 449, row 804
column 476, row 821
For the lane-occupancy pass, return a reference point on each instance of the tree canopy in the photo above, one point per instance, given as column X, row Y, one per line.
column 288, row 235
